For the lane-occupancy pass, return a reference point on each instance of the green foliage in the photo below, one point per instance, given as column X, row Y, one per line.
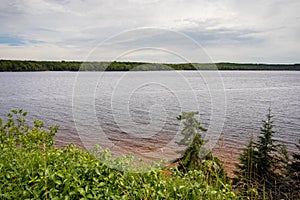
column 191, row 127
column 31, row 168
column 19, row 65
column 191, row 158
column 251, row 66
column 245, row 174
column 293, row 174
column 294, row 167
column 262, row 164
column 196, row 157
column 16, row 132
column 266, row 148
column 247, row 162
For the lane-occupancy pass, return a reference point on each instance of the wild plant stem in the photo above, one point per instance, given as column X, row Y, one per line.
column 45, row 168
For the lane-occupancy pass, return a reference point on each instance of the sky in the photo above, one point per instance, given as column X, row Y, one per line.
column 257, row 31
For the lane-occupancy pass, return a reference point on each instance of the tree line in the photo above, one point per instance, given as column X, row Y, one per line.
column 28, row 65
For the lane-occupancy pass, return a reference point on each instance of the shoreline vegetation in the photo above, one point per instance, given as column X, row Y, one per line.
column 28, row 65
column 33, row 168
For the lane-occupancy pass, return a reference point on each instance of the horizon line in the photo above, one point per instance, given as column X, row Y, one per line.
column 149, row 62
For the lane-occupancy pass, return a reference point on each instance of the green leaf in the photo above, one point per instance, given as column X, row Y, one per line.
column 57, row 182
column 59, row 174
column 97, row 171
column 81, row 191
column 101, row 184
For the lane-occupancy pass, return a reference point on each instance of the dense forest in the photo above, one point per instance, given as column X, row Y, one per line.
column 20, row 65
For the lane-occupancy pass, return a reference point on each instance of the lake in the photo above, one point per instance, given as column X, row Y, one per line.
column 136, row 112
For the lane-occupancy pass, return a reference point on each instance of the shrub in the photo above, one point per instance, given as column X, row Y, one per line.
column 16, row 132
column 31, row 168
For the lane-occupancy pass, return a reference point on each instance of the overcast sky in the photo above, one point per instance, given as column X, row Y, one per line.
column 161, row 31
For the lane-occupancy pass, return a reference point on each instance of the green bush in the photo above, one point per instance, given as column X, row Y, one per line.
column 31, row 168
column 16, row 132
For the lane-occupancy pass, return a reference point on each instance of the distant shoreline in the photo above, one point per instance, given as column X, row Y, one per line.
column 28, row 65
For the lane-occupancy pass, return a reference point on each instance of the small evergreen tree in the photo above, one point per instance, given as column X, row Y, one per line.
column 191, row 127
column 266, row 148
column 247, row 163
column 262, row 163
column 245, row 175
column 192, row 138
column 191, row 157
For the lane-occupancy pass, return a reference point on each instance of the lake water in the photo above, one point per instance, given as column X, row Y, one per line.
column 136, row 111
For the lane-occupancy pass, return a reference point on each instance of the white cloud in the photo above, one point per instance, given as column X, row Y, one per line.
column 232, row 30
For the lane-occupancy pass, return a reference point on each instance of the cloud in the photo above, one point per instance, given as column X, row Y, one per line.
column 264, row 31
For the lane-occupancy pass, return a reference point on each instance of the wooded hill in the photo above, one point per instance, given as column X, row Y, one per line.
column 20, row 65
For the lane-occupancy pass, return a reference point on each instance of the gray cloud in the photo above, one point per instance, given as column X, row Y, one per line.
column 237, row 31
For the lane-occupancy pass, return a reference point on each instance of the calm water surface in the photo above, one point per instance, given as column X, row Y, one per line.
column 141, row 107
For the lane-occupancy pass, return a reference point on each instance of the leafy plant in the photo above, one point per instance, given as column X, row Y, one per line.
column 31, row 168
column 16, row 132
